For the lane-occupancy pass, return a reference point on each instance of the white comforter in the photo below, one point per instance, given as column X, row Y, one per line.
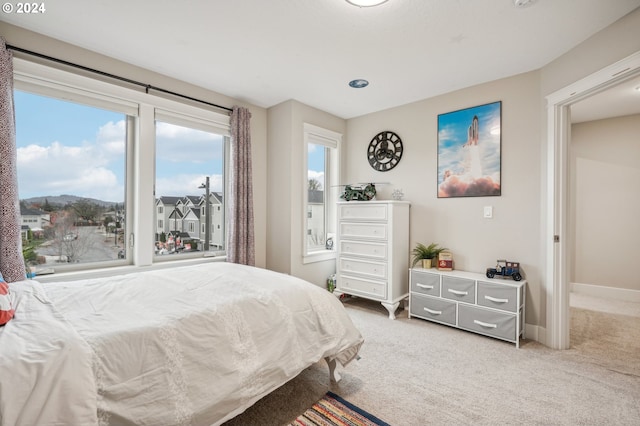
column 183, row 346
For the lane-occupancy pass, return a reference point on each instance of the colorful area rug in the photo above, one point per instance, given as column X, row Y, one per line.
column 332, row 410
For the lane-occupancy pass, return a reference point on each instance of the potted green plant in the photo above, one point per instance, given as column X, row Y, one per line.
column 426, row 254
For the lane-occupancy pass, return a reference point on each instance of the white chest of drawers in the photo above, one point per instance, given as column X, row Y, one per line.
column 373, row 251
column 470, row 301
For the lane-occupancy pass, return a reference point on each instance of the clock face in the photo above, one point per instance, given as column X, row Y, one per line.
column 385, row 151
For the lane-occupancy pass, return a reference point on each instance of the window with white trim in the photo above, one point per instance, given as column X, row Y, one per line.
column 189, row 154
column 71, row 163
column 321, row 168
column 87, row 157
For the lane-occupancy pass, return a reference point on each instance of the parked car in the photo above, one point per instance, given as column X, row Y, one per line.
column 70, row 237
column 121, row 254
column 505, row 268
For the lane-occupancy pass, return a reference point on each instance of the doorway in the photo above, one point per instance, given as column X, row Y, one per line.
column 558, row 234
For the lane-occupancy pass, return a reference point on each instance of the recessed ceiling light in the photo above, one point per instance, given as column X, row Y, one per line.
column 358, row 83
column 366, row 3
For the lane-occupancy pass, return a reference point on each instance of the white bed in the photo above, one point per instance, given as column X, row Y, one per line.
column 191, row 345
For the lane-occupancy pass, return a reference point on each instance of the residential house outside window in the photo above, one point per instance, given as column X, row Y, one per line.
column 187, row 153
column 71, row 163
column 91, row 153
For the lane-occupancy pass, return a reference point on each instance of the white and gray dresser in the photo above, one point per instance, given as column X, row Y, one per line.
column 470, row 301
column 373, row 251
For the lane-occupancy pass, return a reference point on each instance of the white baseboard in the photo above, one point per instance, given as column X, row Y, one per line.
column 532, row 332
column 623, row 294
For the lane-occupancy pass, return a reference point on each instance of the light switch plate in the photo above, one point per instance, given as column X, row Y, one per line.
column 488, row 212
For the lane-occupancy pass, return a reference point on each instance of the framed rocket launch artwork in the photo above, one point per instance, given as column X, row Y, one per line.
column 469, row 152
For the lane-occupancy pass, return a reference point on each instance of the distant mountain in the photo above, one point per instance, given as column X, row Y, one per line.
column 62, row 200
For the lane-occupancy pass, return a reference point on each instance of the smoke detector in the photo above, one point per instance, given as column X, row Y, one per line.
column 523, row 3
column 366, row 3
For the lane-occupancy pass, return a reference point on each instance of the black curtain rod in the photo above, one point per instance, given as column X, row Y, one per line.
column 147, row 87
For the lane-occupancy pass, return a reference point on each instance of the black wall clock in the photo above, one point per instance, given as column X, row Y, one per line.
column 385, row 151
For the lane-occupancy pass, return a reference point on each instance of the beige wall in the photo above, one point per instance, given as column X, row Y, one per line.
column 286, row 184
column 610, row 45
column 605, row 202
column 32, row 41
column 517, row 230
column 280, row 187
column 458, row 223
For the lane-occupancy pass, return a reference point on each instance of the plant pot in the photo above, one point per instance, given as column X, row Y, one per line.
column 427, row 263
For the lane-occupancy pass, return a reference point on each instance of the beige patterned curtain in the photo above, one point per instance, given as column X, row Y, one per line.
column 241, row 245
column 11, row 261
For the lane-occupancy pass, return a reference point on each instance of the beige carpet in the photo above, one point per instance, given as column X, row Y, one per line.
column 414, row 372
column 607, row 340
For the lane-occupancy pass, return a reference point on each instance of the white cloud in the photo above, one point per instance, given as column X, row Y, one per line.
column 111, row 138
column 175, row 185
column 84, row 170
column 319, row 176
column 95, row 169
column 182, row 144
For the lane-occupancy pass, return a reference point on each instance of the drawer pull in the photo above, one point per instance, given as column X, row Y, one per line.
column 458, row 292
column 485, row 324
column 432, row 312
column 428, row 287
column 495, row 299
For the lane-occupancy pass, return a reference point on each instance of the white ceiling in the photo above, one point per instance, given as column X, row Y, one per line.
column 620, row 100
column 269, row 51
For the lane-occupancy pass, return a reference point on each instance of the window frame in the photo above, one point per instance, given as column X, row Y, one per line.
column 101, row 92
column 332, row 140
column 198, row 123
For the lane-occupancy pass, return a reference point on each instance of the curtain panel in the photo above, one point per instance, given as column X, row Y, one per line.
column 241, row 244
column 11, row 260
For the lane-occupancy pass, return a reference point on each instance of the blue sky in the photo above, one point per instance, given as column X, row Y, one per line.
column 315, row 163
column 68, row 148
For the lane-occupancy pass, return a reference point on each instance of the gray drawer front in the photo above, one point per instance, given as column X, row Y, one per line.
column 485, row 321
column 460, row 289
column 425, row 283
column 434, row 309
column 498, row 296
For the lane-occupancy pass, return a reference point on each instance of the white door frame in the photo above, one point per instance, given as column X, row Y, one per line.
column 557, row 235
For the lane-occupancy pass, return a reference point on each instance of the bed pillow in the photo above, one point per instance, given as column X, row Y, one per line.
column 6, row 311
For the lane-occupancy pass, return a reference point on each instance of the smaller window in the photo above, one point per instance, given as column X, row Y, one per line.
column 160, row 209
column 320, row 191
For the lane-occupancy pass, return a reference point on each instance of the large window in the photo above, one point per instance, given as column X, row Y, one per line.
column 71, row 162
column 320, row 191
column 189, row 167
column 111, row 176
